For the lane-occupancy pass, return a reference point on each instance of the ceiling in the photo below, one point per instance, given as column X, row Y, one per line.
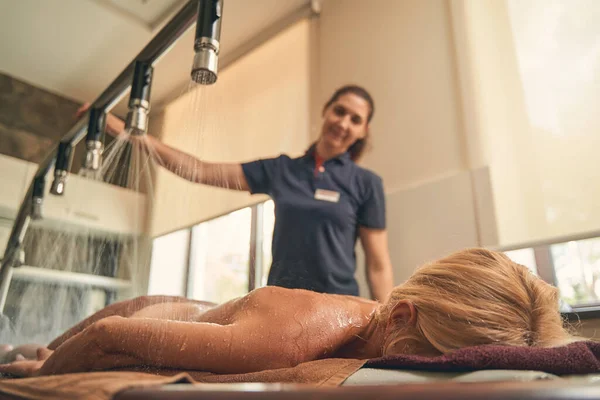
column 76, row 48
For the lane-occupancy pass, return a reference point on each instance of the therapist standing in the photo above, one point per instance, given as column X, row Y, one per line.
column 323, row 200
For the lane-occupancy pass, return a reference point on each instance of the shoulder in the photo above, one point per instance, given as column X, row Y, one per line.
column 284, row 300
column 282, row 160
column 266, row 163
column 271, row 293
column 285, row 161
column 366, row 174
column 280, row 297
column 368, row 179
column 277, row 158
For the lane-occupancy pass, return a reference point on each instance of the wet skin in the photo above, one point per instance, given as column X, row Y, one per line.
column 269, row 328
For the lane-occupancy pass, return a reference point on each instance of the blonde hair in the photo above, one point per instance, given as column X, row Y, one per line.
column 474, row 297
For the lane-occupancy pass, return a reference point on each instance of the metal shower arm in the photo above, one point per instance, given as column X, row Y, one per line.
column 160, row 44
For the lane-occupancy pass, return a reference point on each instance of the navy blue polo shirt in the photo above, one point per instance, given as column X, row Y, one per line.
column 317, row 217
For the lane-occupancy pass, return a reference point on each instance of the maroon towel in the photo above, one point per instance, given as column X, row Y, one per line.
column 575, row 358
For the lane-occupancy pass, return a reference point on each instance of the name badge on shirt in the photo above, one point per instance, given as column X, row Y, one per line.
column 327, row 195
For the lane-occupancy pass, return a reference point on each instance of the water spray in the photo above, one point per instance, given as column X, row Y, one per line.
column 139, row 99
column 204, row 71
column 206, row 44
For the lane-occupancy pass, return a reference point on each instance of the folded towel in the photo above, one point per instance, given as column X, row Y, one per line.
column 575, row 358
column 104, row 385
column 89, row 385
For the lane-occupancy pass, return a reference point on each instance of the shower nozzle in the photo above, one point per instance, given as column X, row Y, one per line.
column 37, row 200
column 61, row 168
column 206, row 44
column 93, row 141
column 139, row 99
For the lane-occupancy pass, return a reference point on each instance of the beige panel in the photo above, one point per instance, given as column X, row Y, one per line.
column 485, row 209
column 402, row 52
column 429, row 221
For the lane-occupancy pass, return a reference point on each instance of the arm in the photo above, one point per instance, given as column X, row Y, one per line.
column 117, row 342
column 124, row 308
column 224, row 175
column 379, row 266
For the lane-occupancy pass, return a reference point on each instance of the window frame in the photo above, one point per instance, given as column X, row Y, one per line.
column 541, row 251
column 546, row 270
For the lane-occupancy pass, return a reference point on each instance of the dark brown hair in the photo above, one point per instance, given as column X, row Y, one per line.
column 358, row 148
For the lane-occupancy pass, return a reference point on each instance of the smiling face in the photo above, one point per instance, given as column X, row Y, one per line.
column 344, row 122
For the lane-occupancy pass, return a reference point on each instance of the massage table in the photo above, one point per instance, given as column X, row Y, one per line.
column 372, row 383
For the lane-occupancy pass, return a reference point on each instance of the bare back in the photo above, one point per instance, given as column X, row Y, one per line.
column 315, row 325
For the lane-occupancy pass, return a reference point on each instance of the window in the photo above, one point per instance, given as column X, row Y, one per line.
column 219, row 257
column 572, row 266
column 214, row 260
column 524, row 257
column 169, row 264
column 577, row 269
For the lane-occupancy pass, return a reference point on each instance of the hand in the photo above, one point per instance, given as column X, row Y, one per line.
column 85, row 351
column 27, row 368
column 77, row 354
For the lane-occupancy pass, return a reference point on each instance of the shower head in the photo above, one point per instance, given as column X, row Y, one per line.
column 139, row 99
column 206, row 44
column 206, row 59
column 61, row 168
column 37, row 199
column 93, row 141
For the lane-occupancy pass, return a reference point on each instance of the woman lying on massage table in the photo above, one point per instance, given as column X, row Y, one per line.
column 468, row 298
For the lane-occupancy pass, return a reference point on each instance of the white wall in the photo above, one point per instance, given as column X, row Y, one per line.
column 258, row 108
